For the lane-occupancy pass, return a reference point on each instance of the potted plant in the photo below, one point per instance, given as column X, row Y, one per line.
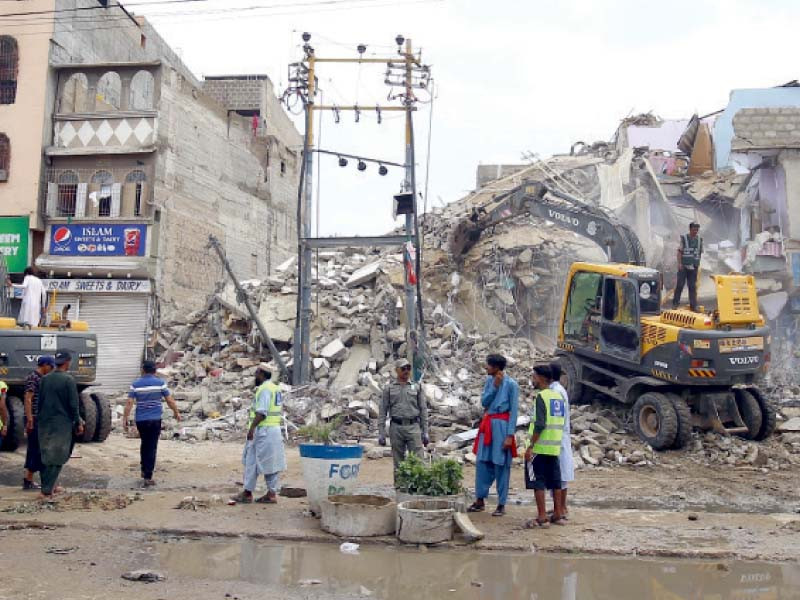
column 439, row 479
column 329, row 469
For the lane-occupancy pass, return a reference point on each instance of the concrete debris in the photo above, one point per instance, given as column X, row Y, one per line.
column 144, row 576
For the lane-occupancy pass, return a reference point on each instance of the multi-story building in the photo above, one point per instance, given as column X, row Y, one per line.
column 117, row 164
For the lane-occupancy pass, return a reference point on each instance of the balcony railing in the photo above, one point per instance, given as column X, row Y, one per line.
column 98, row 194
column 105, row 133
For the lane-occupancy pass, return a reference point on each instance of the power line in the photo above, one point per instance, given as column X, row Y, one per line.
column 103, row 8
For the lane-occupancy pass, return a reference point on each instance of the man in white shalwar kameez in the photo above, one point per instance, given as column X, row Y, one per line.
column 565, row 460
column 34, row 298
column 263, row 451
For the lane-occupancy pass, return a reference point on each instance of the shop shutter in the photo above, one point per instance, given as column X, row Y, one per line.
column 120, row 323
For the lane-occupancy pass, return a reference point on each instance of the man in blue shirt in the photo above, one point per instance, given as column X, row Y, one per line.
column 147, row 393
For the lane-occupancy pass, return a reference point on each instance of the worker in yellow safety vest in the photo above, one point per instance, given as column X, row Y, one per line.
column 263, row 451
column 541, row 457
column 3, row 411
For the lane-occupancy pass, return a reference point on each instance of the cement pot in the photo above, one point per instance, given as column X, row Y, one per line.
column 460, row 501
column 329, row 470
column 359, row 516
column 425, row 521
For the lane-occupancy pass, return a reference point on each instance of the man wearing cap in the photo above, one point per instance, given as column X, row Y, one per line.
column 689, row 253
column 59, row 420
column 404, row 403
column 263, row 451
column 33, row 458
column 147, row 393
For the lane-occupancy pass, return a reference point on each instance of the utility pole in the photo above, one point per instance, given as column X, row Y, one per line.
column 407, row 73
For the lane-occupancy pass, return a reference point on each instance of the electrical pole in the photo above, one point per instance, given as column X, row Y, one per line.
column 303, row 85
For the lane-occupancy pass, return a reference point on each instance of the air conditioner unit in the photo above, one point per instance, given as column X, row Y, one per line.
column 3, row 175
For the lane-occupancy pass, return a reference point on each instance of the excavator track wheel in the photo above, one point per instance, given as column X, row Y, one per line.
column 88, row 411
column 569, row 376
column 103, row 417
column 684, row 414
column 655, row 420
column 750, row 410
column 16, row 424
column 769, row 416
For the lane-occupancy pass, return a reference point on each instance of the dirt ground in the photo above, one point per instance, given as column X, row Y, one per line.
column 670, row 510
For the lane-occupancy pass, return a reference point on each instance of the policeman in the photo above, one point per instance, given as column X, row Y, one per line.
column 404, row 402
column 689, row 253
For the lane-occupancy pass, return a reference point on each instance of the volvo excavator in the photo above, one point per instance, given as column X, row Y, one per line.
column 677, row 369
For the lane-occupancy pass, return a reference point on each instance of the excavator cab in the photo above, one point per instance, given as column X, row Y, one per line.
column 604, row 305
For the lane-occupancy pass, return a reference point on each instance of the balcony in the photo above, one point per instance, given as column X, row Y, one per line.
column 99, row 193
column 107, row 108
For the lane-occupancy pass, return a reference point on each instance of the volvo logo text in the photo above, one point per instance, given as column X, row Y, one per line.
column 743, row 360
column 559, row 216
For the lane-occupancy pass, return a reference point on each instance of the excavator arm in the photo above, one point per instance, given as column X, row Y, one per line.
column 619, row 242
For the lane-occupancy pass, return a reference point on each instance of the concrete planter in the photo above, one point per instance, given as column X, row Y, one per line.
column 329, row 470
column 359, row 516
column 460, row 501
column 425, row 521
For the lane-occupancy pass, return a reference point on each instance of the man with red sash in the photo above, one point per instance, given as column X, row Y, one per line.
column 496, row 445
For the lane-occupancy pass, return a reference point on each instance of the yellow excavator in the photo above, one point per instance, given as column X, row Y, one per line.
column 678, row 369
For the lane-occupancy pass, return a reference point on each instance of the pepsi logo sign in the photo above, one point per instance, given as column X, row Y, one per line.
column 62, row 235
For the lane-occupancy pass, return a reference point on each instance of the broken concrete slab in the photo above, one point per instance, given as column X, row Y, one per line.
column 334, row 351
column 356, row 361
column 364, row 274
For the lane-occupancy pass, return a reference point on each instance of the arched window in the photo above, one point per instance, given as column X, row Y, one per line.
column 137, row 178
column 67, row 193
column 103, row 181
column 9, row 64
column 142, row 91
column 109, row 92
column 5, row 156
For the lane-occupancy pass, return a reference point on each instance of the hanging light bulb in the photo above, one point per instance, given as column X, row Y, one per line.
column 382, row 170
column 362, row 166
column 342, row 161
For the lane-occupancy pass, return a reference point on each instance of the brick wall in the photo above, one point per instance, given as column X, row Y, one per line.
column 236, row 94
column 766, row 128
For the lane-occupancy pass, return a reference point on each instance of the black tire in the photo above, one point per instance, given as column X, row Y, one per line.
column 684, row 414
column 16, row 424
column 769, row 416
column 750, row 410
column 569, row 379
column 88, row 411
column 103, row 417
column 655, row 420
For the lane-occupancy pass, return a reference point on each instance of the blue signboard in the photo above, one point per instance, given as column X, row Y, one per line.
column 98, row 239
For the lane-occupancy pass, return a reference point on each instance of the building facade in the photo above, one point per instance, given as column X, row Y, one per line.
column 119, row 164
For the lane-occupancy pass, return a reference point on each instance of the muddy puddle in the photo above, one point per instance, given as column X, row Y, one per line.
column 400, row 574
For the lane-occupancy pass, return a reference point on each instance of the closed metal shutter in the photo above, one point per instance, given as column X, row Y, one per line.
column 120, row 323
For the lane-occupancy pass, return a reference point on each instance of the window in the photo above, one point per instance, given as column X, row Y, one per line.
column 9, row 63
column 67, row 194
column 620, row 302
column 283, row 167
column 5, row 156
column 102, row 198
column 582, row 304
column 137, row 179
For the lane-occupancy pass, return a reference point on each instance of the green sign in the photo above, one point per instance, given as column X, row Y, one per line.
column 14, row 237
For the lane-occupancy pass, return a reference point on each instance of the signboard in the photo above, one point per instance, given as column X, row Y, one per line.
column 14, row 237
column 97, row 239
column 729, row 345
column 98, row 286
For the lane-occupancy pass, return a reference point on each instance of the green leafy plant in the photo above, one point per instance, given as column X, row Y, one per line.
column 321, row 433
column 440, row 478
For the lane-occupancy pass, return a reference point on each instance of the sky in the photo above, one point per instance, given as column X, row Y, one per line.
column 512, row 76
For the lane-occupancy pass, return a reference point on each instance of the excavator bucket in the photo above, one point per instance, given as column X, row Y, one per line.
column 465, row 235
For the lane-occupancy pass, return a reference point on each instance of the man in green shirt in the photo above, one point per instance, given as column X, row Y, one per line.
column 59, row 421
column 689, row 253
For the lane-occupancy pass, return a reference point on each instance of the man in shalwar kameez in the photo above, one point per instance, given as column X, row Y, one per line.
column 263, row 451
column 496, row 445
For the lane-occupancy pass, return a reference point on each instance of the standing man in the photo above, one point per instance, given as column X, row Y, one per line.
column 496, row 444
column 34, row 299
column 404, row 403
column 147, row 392
column 263, row 451
column 544, row 448
column 689, row 253
column 33, row 457
column 59, row 421
column 566, row 461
